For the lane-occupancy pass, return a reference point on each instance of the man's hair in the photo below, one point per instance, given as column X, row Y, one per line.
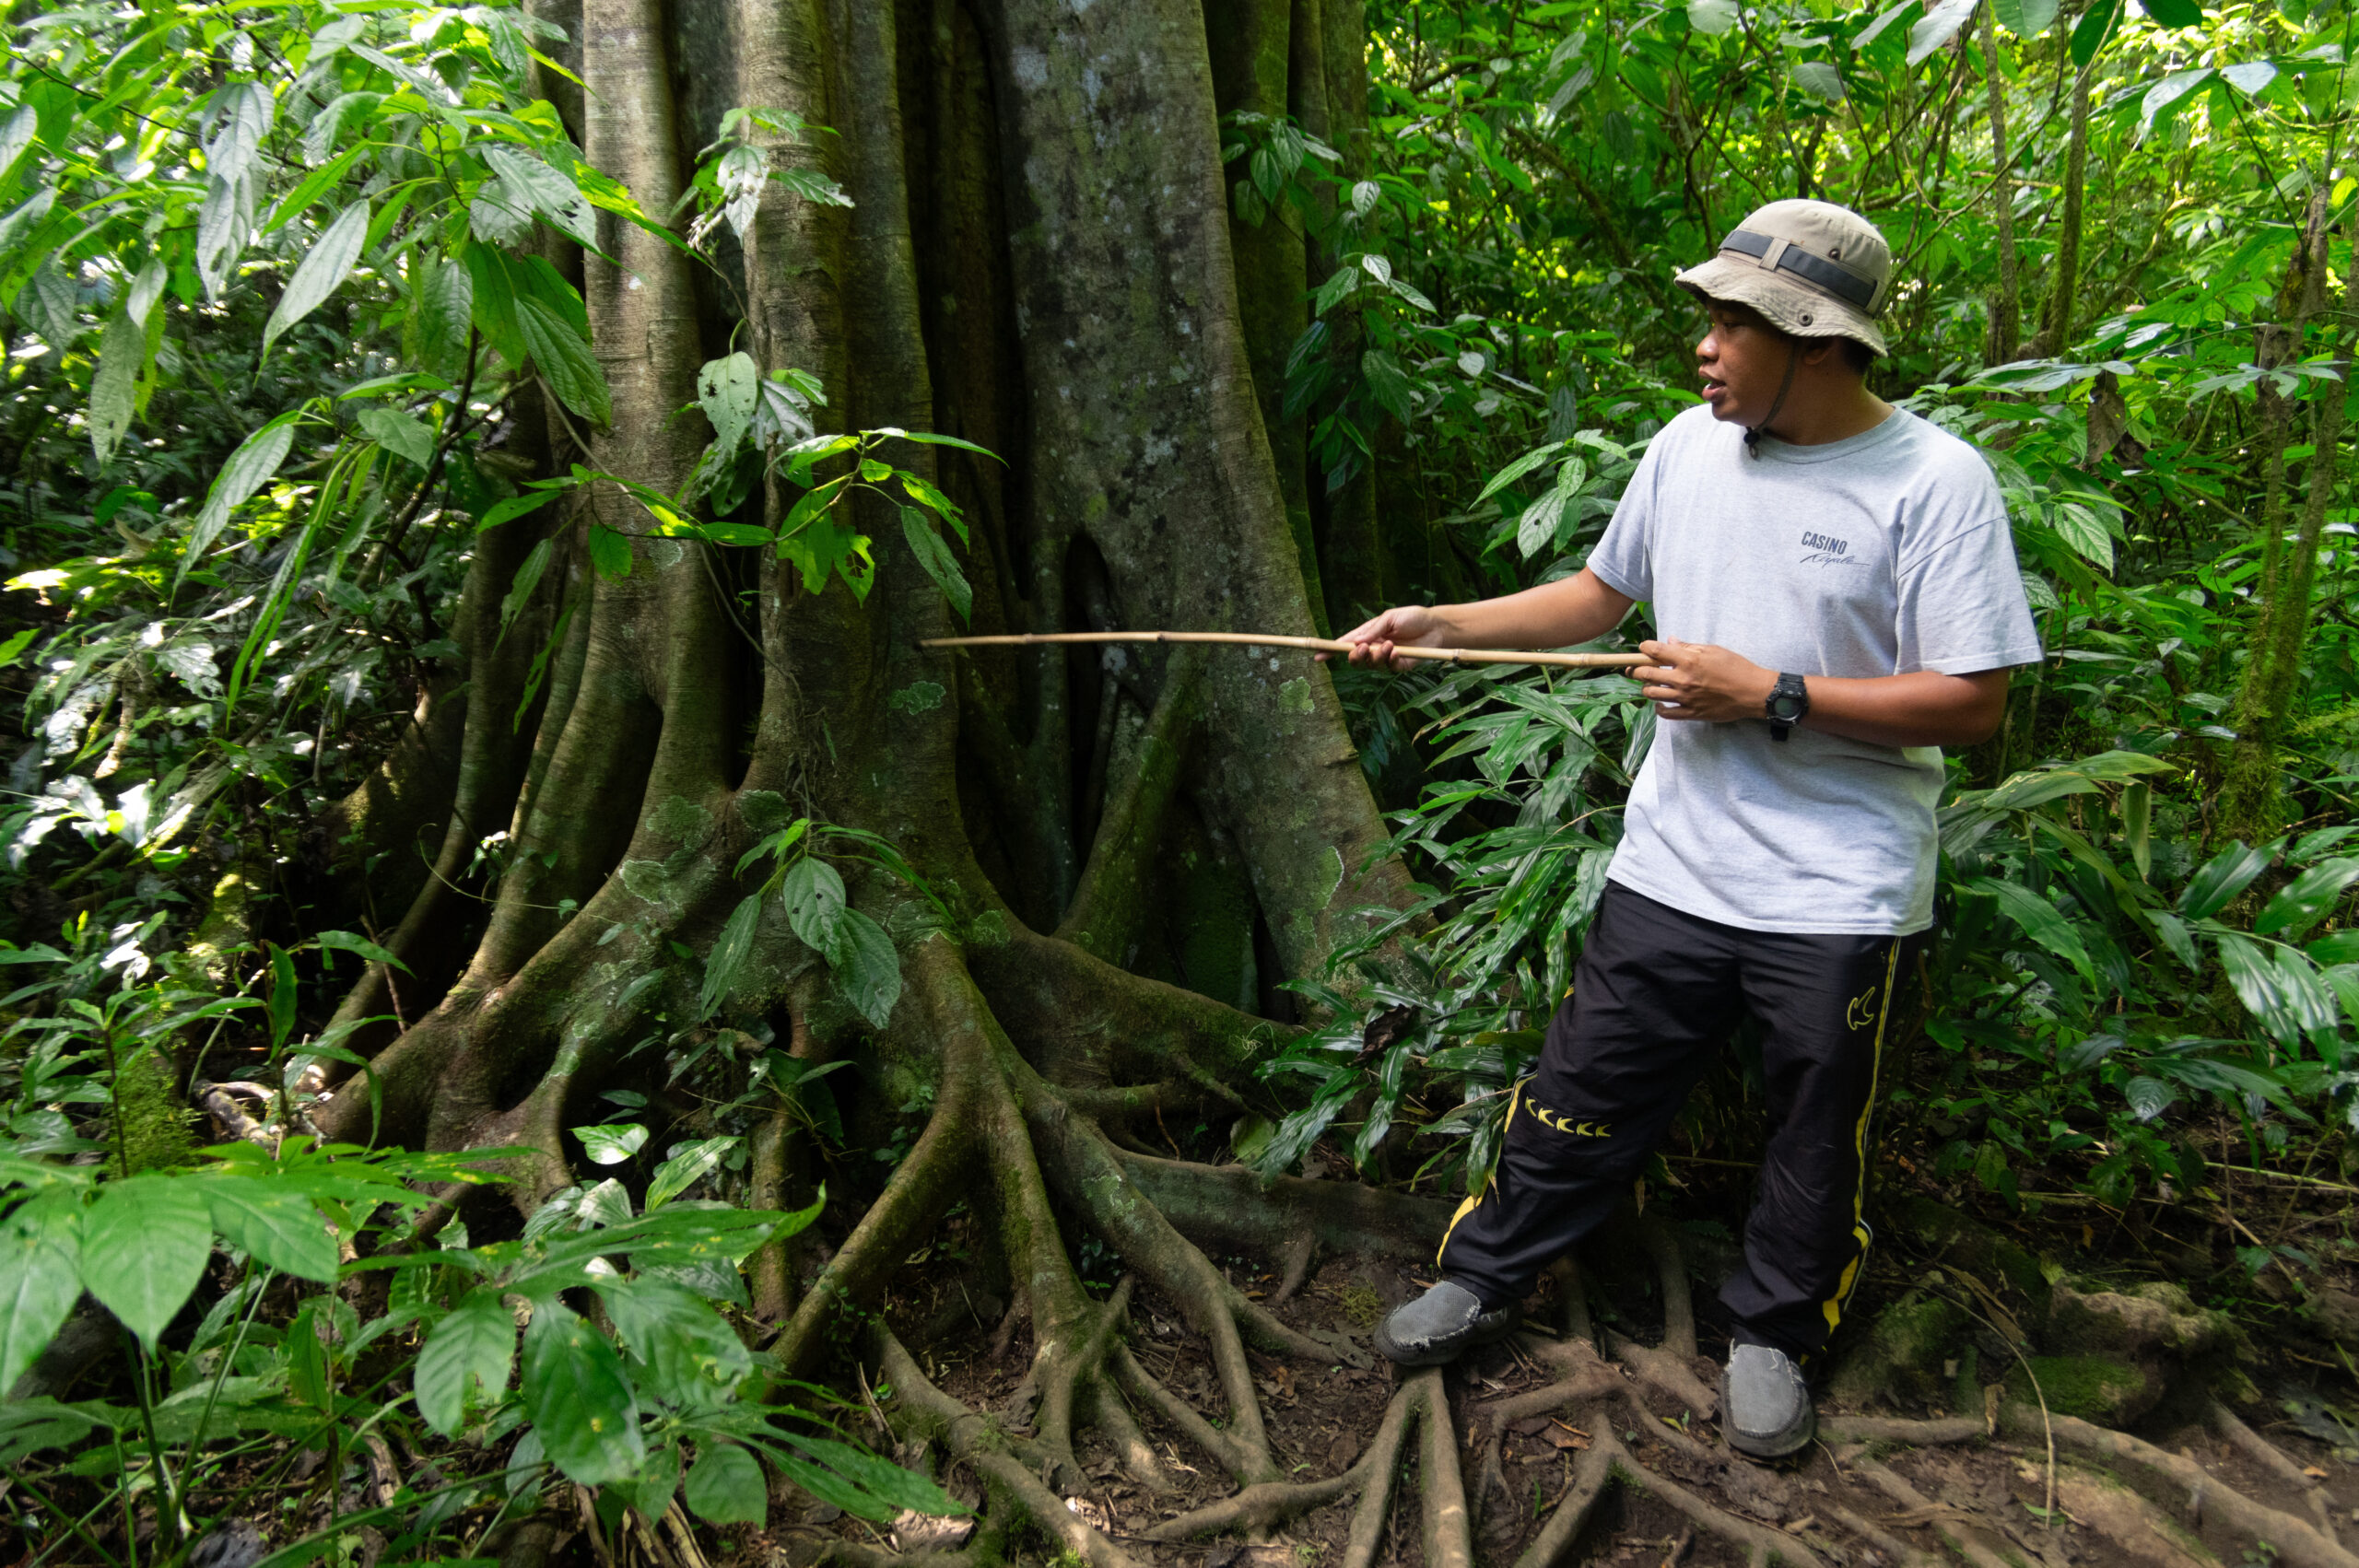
column 1857, row 356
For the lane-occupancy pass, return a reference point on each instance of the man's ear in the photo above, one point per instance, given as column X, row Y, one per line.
column 1817, row 351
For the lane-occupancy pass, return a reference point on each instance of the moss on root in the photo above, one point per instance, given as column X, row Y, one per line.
column 152, row 1122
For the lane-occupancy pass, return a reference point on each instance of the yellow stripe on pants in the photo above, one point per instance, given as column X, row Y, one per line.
column 1833, row 1304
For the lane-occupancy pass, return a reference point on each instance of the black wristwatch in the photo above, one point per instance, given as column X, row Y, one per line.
column 1789, row 700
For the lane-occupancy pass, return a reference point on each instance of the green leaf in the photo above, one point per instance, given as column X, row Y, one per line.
column 2306, row 900
column 469, row 1351
column 2256, row 982
column 528, row 576
column 314, row 185
column 2095, row 27
column 935, row 439
column 1820, row 79
column 725, row 1487
column 2173, row 13
column 2137, row 824
column 273, row 1222
column 2148, row 1097
column 727, row 390
column 866, row 965
column 692, row 1358
column 1940, row 23
column 249, row 468
column 2224, row 876
column 441, row 308
column 325, row 266
column 612, row 1142
column 1517, row 470
column 123, row 355
column 403, row 435
column 38, row 1283
column 564, row 357
column 814, row 896
column 685, row 1169
column 2024, row 18
column 144, row 1242
column 933, row 554
column 547, row 192
column 348, row 941
column 1536, row 529
column 883, row 1481
column 609, row 551
column 578, row 1398
column 729, row 953
column 2160, row 98
column 2040, row 920
column 515, row 507
column 1713, row 16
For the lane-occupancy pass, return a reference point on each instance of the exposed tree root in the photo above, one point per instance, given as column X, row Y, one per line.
column 2273, row 1459
column 2295, row 1540
column 1886, row 1429
column 1955, row 1525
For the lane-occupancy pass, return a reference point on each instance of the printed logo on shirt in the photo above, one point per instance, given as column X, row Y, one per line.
column 1828, row 552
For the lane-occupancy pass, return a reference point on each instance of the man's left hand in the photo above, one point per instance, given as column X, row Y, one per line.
column 1695, row 680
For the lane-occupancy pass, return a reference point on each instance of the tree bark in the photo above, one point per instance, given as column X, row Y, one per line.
column 2006, row 306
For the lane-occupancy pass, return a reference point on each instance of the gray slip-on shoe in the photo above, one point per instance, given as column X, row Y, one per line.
column 1439, row 1325
column 1764, row 1403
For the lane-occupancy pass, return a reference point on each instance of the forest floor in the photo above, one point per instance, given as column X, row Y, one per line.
column 1986, row 1499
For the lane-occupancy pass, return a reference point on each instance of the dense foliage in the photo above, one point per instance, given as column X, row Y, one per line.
column 290, row 318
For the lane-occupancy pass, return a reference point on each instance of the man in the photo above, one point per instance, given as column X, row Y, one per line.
column 1833, row 587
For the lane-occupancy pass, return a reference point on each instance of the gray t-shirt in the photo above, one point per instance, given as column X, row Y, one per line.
column 1880, row 555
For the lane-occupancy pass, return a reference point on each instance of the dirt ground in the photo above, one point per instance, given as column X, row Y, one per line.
column 1992, row 1500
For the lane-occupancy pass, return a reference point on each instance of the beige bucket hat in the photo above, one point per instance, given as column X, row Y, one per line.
column 1812, row 268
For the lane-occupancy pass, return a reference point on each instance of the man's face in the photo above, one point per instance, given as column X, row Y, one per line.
column 1743, row 361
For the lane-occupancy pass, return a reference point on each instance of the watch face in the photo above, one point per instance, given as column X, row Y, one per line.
column 1786, row 707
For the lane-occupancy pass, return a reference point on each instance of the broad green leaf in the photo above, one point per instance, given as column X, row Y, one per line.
column 242, row 114
column 144, row 1241
column 685, row 1169
column 726, row 389
column 692, row 1358
column 2305, row 901
column 223, row 223
column 881, row 1479
column 1536, row 529
column 403, row 435
column 578, row 1398
column 469, row 1350
column 2222, row 876
column 2040, row 920
column 1713, row 16
column 564, row 357
column 2024, row 18
column 609, row 551
column 612, row 1142
column 2168, row 91
column 2148, row 1097
column 729, row 953
column 515, row 507
column 933, row 554
column 314, row 185
column 2083, row 530
column 2174, row 935
column 2173, row 13
column 1940, row 23
column 441, row 305
column 814, row 896
column 273, row 1222
column 548, row 193
column 866, row 965
column 725, row 1486
column 2257, row 984
column 1820, row 79
column 39, row 1282
column 249, row 468
column 2137, row 824
column 2250, row 77
column 2095, row 27
column 1517, row 470
column 123, row 354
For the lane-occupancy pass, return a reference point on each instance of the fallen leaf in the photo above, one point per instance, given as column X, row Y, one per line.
column 2314, row 1472
column 1796, row 1527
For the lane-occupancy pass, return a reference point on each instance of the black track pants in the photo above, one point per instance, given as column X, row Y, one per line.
column 1657, row 991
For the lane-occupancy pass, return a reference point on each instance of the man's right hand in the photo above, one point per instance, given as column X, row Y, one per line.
column 1410, row 626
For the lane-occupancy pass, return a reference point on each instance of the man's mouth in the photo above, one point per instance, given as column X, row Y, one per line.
column 1713, row 386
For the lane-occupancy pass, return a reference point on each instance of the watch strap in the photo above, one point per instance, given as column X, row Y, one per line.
column 1789, row 702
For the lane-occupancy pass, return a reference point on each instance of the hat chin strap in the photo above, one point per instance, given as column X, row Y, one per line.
column 1753, row 433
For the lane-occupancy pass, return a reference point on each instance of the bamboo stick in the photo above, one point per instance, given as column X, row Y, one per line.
column 1311, row 644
